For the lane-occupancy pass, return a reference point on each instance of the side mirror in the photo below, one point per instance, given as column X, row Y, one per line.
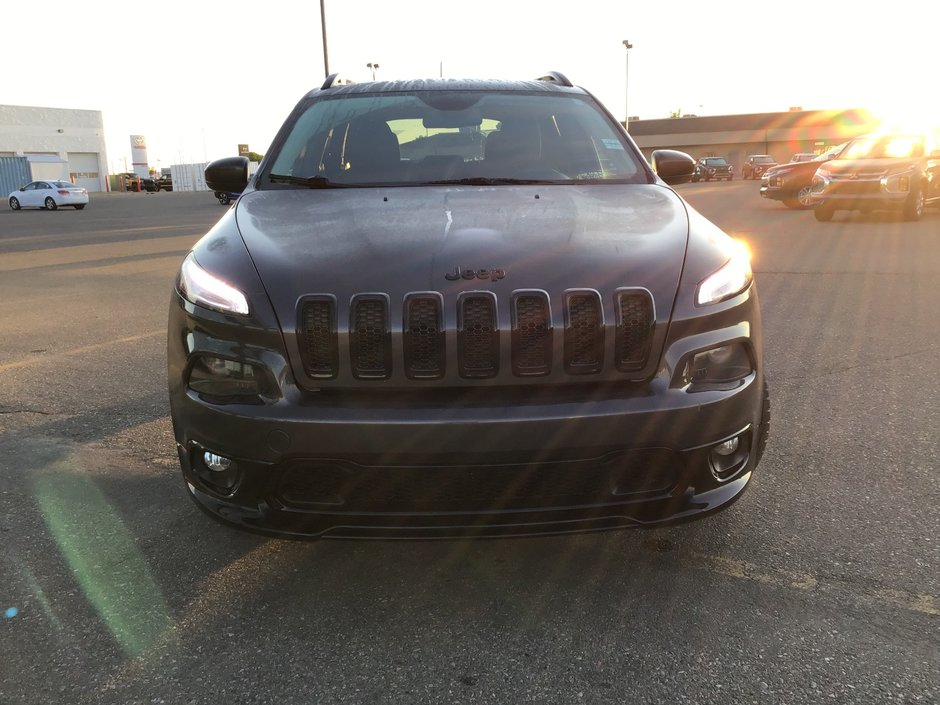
column 228, row 175
column 672, row 166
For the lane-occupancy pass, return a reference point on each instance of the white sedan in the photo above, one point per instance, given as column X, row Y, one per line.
column 49, row 195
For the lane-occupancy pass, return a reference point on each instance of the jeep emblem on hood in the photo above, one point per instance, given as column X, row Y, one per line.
column 458, row 273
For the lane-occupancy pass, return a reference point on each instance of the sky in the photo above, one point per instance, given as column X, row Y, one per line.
column 198, row 78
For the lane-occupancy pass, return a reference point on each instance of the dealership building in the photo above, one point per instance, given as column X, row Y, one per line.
column 56, row 143
column 734, row 137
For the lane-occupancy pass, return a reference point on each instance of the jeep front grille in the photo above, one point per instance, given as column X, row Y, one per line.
column 423, row 336
column 531, row 334
column 369, row 337
column 424, row 353
column 634, row 327
column 584, row 333
column 318, row 345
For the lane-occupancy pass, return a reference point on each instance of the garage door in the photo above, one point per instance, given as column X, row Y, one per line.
column 83, row 170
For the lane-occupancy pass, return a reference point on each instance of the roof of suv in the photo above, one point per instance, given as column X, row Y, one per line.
column 446, row 84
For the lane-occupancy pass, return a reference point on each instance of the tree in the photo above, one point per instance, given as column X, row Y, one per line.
column 255, row 157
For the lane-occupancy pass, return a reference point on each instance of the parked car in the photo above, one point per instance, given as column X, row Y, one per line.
column 756, row 164
column 130, row 182
column 536, row 336
column 803, row 157
column 708, row 168
column 165, row 183
column 885, row 171
column 149, row 184
column 49, row 195
column 792, row 183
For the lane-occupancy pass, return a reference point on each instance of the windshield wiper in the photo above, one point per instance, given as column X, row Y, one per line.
column 308, row 181
column 487, row 181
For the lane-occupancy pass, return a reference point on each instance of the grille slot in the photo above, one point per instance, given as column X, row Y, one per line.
column 531, row 334
column 318, row 344
column 584, row 333
column 424, row 336
column 370, row 347
column 477, row 335
column 634, row 329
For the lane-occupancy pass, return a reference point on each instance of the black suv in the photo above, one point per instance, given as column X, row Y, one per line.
column 708, row 168
column 899, row 172
column 448, row 307
column 757, row 164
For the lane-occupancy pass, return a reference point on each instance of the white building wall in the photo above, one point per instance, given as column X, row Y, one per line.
column 26, row 130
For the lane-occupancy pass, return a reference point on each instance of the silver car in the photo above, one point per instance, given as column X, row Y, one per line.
column 49, row 195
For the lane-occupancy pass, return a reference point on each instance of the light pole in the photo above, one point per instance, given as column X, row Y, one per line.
column 626, row 100
column 374, row 67
column 326, row 56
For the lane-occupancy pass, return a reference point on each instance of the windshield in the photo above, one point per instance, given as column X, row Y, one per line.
column 885, row 147
column 716, row 162
column 454, row 136
column 763, row 160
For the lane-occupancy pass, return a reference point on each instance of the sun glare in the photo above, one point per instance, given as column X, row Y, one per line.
column 912, row 117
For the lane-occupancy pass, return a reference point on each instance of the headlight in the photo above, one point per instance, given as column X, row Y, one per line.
column 897, row 183
column 221, row 379
column 820, row 182
column 733, row 278
column 721, row 367
column 199, row 287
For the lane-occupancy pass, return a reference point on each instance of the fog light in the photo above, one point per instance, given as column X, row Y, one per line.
column 216, row 463
column 729, row 457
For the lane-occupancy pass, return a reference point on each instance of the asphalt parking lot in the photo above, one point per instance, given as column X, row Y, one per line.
column 822, row 584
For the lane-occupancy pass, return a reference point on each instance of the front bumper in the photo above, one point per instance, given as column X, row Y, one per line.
column 858, row 201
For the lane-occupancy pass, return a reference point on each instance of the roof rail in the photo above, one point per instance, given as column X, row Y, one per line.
column 556, row 77
column 333, row 80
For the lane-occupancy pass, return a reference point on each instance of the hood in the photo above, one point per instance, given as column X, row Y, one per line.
column 400, row 240
column 869, row 168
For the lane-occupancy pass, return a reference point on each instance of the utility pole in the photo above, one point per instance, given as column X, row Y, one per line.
column 326, row 57
column 626, row 100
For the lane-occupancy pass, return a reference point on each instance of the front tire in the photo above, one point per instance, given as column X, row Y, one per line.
column 914, row 206
column 50, row 203
column 14, row 203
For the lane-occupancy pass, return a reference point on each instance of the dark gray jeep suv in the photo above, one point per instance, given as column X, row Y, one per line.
column 446, row 308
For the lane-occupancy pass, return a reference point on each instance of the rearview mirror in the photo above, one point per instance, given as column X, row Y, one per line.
column 672, row 166
column 228, row 175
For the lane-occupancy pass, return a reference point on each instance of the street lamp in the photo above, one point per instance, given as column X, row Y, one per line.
column 374, row 67
column 626, row 100
column 326, row 55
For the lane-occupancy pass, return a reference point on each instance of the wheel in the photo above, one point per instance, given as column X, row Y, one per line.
column 79, row 207
column 914, row 206
column 14, row 203
column 823, row 213
column 804, row 196
column 225, row 199
column 763, row 430
column 50, row 203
